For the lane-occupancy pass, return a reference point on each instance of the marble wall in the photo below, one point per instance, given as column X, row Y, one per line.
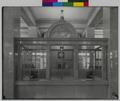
column 114, row 49
column 11, row 24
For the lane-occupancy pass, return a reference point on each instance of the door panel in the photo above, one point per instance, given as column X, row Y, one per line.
column 61, row 68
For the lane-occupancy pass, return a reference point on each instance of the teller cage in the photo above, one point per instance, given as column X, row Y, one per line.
column 61, row 68
column 61, row 65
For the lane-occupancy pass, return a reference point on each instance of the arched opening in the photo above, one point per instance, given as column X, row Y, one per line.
column 62, row 29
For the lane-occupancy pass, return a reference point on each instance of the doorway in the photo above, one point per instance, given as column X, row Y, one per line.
column 61, row 63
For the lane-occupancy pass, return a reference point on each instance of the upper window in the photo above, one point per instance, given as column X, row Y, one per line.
column 99, row 33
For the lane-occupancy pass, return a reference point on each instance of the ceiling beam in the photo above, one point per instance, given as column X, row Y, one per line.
column 27, row 15
column 93, row 15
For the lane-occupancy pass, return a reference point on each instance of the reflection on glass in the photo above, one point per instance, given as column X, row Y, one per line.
column 61, row 68
column 39, row 60
column 33, row 64
column 90, row 64
column 84, row 60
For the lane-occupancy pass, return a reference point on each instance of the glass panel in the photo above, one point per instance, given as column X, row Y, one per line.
column 61, row 63
column 90, row 62
column 32, row 64
column 84, row 63
column 99, row 63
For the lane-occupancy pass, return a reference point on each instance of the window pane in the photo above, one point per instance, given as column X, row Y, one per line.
column 33, row 64
column 90, row 63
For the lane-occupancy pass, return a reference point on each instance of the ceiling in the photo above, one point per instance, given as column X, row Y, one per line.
column 70, row 13
column 77, row 16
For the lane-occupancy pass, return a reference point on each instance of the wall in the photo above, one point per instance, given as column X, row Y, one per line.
column 10, row 30
column 114, row 49
column 30, row 32
column 110, row 25
column 110, row 30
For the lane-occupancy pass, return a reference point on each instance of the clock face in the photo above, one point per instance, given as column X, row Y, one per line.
column 60, row 54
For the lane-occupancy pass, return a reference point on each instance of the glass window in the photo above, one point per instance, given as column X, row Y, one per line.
column 33, row 64
column 90, row 63
column 62, row 67
column 99, row 33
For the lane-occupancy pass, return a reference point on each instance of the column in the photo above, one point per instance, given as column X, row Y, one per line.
column 106, row 30
column 106, row 22
column 76, row 62
column 104, row 63
column 91, row 60
column 48, row 63
column 11, row 23
column 114, row 49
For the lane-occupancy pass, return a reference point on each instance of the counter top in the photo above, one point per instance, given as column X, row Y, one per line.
column 62, row 82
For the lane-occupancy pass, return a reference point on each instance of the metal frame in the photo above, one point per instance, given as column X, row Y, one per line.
column 75, row 42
